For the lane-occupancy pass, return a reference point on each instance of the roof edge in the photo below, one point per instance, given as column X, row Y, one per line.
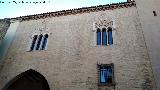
column 76, row 11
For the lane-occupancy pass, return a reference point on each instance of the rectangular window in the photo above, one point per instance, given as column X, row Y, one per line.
column 105, row 74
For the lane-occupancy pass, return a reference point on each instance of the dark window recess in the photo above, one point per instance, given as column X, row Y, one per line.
column 98, row 37
column 154, row 13
column 44, row 41
column 110, row 37
column 104, row 37
column 39, row 41
column 105, row 74
column 33, row 42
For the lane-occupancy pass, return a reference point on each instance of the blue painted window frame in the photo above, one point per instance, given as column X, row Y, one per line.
column 39, row 41
column 106, row 74
column 98, row 36
column 104, row 36
column 110, row 36
column 33, row 42
column 44, row 42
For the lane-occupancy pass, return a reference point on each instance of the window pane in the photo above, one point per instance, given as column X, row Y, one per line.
column 104, row 37
column 98, row 37
column 39, row 41
column 44, row 42
column 105, row 74
column 33, row 42
column 110, row 38
column 109, row 77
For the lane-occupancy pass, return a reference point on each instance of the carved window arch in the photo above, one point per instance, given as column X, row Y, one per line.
column 39, row 40
column 103, row 33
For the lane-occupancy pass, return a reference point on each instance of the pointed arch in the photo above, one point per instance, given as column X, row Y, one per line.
column 28, row 80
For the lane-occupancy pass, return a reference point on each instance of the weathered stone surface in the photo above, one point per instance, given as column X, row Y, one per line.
column 151, row 29
column 4, row 25
column 70, row 62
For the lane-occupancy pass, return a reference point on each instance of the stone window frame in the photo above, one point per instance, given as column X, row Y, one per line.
column 103, row 24
column 113, row 75
column 31, row 40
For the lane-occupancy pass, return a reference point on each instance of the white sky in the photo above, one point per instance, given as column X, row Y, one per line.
column 10, row 9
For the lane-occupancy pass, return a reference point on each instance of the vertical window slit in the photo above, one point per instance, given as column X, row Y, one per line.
column 98, row 37
column 39, row 41
column 33, row 42
column 44, row 41
column 110, row 38
column 104, row 37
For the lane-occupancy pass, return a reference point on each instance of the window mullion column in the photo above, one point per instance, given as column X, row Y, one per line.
column 101, row 36
column 107, row 36
column 114, row 36
column 46, row 44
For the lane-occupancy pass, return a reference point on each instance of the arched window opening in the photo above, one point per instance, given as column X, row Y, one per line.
column 39, row 41
column 44, row 41
column 28, row 80
column 33, row 42
column 98, row 37
column 110, row 37
column 104, row 37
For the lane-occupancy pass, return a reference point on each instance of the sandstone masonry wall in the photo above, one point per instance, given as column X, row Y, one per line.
column 70, row 62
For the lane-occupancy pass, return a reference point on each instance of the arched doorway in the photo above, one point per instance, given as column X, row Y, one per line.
column 28, row 80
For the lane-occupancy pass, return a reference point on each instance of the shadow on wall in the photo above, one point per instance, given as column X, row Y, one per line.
column 4, row 25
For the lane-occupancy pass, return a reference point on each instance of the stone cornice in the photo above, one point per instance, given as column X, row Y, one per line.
column 77, row 11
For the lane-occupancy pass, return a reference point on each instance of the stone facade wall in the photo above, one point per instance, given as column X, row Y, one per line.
column 70, row 62
column 4, row 25
column 150, row 26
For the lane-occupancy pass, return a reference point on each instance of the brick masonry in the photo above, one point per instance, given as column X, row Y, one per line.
column 70, row 62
